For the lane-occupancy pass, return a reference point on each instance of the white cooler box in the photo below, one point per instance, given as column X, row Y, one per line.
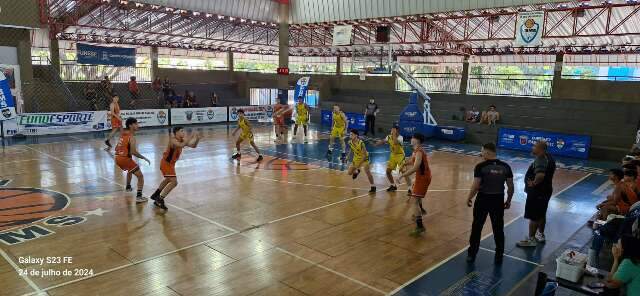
column 571, row 265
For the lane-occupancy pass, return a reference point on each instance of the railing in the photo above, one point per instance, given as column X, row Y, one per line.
column 434, row 82
column 78, row 72
column 190, row 67
column 601, row 77
column 511, row 85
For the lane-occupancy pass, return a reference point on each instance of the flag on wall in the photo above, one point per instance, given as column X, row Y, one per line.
column 529, row 28
column 342, row 35
column 7, row 103
column 301, row 88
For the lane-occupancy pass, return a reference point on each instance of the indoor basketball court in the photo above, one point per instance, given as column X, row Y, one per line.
column 196, row 147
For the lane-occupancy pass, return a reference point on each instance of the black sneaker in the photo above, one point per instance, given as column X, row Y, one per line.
column 470, row 259
column 343, row 157
column 329, row 152
column 154, row 196
column 160, row 204
column 128, row 188
column 106, row 142
column 409, row 192
column 373, row 189
column 236, row 156
column 497, row 260
column 355, row 174
column 260, row 158
column 392, row 188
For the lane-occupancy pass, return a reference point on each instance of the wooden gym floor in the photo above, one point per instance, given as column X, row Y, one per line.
column 292, row 225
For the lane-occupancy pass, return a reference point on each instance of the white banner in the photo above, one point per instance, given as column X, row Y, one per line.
column 146, row 117
column 255, row 113
column 529, row 28
column 342, row 35
column 198, row 115
column 61, row 123
column 9, row 127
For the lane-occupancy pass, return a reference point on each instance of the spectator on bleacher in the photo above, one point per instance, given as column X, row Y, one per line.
column 214, row 99
column 611, row 231
column 624, row 193
column 491, row 116
column 91, row 95
column 625, row 272
column 107, row 88
column 189, row 100
column 167, row 91
column 370, row 112
column 156, row 85
column 134, row 91
column 472, row 115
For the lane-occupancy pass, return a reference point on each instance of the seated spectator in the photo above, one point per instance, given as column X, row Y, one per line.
column 491, row 116
column 156, row 85
column 611, row 232
column 625, row 272
column 91, row 95
column 134, row 91
column 472, row 115
column 624, row 194
column 189, row 100
column 214, row 99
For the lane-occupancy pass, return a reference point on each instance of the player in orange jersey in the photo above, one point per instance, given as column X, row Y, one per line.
column 116, row 120
column 168, row 164
column 420, row 167
column 125, row 150
column 279, row 112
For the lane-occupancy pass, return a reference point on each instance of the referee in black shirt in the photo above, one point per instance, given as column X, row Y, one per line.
column 488, row 189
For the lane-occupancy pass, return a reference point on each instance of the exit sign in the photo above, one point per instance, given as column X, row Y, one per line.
column 283, row 71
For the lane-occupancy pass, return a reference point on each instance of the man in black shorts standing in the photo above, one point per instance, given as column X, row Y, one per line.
column 489, row 178
column 539, row 188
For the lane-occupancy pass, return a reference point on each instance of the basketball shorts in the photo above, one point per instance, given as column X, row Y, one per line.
column 126, row 164
column 337, row 133
column 116, row 123
column 395, row 162
column 420, row 187
column 359, row 163
column 302, row 120
column 246, row 136
column 279, row 121
column 536, row 206
column 168, row 169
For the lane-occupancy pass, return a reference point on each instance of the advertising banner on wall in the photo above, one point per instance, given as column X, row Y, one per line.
column 102, row 55
column 301, row 88
column 146, row 117
column 9, row 128
column 529, row 28
column 559, row 144
column 7, row 102
column 254, row 113
column 198, row 115
column 61, row 123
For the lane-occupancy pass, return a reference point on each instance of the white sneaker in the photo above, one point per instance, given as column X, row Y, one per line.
column 141, row 199
column 591, row 270
column 540, row 237
column 306, row 140
column 528, row 242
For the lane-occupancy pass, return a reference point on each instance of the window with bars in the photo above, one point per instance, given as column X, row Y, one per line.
column 269, row 96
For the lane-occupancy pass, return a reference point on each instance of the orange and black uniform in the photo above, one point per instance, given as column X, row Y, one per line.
column 279, row 119
column 123, row 153
column 115, row 121
column 423, row 175
column 169, row 159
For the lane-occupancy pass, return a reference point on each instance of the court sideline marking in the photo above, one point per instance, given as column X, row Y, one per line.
column 483, row 238
column 234, row 232
column 17, row 269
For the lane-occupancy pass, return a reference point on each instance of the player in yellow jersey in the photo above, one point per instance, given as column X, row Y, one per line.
column 396, row 157
column 360, row 158
column 246, row 134
column 302, row 118
column 339, row 131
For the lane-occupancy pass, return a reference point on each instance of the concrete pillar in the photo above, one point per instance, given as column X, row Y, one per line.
column 283, row 43
column 54, row 52
column 154, row 62
column 557, row 74
column 24, row 55
column 338, row 65
column 230, row 61
column 464, row 82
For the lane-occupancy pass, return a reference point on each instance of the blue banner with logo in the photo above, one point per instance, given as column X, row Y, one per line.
column 355, row 120
column 101, row 55
column 577, row 146
column 301, row 88
column 7, row 102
